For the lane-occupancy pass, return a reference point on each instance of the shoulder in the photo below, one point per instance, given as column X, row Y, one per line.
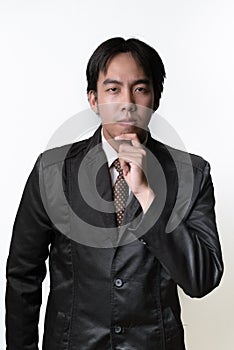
column 181, row 159
column 60, row 154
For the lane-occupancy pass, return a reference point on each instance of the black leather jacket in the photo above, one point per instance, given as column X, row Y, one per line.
column 110, row 290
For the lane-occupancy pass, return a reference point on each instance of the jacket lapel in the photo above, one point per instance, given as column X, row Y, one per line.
column 99, row 187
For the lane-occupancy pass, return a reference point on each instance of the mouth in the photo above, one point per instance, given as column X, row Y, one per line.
column 127, row 122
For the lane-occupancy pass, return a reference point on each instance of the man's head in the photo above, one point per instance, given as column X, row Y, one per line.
column 125, row 81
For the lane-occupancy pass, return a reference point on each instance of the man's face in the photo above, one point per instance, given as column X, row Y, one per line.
column 124, row 98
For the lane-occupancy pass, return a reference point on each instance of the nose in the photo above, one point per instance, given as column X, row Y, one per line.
column 128, row 103
column 129, row 107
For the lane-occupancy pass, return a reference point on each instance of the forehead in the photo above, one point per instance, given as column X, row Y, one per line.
column 123, row 65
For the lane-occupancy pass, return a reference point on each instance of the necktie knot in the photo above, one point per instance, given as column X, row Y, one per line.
column 117, row 166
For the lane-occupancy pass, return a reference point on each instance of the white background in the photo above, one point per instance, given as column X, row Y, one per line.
column 45, row 46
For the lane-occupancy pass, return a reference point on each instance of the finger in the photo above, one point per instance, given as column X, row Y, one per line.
column 135, row 156
column 128, row 148
column 125, row 166
column 129, row 137
column 130, row 160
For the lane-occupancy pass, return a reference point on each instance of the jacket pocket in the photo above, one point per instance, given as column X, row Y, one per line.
column 59, row 336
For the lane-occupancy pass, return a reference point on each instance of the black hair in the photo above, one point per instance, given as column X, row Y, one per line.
column 147, row 57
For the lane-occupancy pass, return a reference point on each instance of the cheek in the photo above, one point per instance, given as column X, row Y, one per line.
column 150, row 103
column 145, row 105
column 107, row 111
column 145, row 112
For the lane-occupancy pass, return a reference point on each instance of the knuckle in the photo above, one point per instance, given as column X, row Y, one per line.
column 121, row 147
column 142, row 152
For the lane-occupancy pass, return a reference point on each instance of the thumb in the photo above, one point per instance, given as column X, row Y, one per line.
column 125, row 166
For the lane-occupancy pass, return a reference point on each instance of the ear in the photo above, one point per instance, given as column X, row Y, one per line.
column 92, row 98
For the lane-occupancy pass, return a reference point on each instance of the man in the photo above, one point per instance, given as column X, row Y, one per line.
column 123, row 218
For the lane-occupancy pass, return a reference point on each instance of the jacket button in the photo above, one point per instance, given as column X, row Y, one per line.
column 118, row 329
column 118, row 282
column 142, row 241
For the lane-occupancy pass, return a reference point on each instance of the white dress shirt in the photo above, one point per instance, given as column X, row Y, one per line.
column 111, row 155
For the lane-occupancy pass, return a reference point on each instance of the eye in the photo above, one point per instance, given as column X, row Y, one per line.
column 112, row 89
column 141, row 89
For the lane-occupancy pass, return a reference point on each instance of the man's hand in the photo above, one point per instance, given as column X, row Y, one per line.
column 132, row 157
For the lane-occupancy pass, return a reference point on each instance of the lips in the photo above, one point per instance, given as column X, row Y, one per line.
column 127, row 122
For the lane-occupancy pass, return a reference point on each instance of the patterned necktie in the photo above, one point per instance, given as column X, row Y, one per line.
column 120, row 192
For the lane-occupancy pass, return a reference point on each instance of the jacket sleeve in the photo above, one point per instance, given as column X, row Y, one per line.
column 26, row 267
column 191, row 253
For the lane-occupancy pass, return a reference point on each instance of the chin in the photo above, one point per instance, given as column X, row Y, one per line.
column 141, row 133
column 129, row 128
column 119, row 129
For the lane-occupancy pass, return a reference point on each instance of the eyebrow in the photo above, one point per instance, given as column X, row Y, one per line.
column 114, row 81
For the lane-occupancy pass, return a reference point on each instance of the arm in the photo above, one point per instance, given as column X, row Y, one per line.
column 26, row 268
column 191, row 253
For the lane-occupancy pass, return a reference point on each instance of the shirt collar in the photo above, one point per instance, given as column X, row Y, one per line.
column 109, row 151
